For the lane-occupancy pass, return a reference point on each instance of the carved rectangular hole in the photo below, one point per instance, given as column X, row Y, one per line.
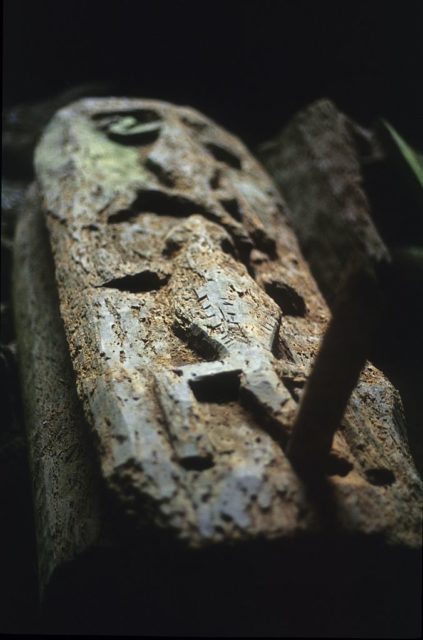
column 162, row 175
column 224, row 155
column 264, row 243
column 197, row 463
column 142, row 116
column 219, row 388
column 232, row 207
column 287, row 298
column 161, row 203
column 337, row 466
column 380, row 477
column 138, row 282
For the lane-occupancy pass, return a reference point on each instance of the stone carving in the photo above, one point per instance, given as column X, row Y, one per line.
column 192, row 322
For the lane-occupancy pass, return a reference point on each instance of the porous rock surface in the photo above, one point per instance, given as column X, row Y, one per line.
column 192, row 322
column 315, row 161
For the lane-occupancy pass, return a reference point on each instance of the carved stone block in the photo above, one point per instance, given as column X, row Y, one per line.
column 192, row 323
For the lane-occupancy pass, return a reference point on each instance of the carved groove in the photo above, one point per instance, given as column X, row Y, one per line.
column 380, row 477
column 138, row 283
column 200, row 344
column 196, row 125
column 160, row 172
column 136, row 127
column 264, row 243
column 142, row 116
column 215, row 179
column 161, row 203
column 147, row 135
column 197, row 463
column 219, row 388
column 232, row 207
column 291, row 303
column 337, row 466
column 224, row 155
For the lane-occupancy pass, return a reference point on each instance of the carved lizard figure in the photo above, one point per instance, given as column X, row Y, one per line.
column 229, row 316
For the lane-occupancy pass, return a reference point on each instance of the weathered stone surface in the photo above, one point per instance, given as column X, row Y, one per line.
column 22, row 125
column 192, row 322
column 316, row 162
column 64, row 469
column 355, row 205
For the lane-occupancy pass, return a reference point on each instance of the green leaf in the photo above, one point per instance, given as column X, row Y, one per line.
column 411, row 157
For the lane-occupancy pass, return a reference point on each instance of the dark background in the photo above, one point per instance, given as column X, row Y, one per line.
column 250, row 65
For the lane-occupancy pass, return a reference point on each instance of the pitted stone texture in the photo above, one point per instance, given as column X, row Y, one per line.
column 192, row 322
column 315, row 161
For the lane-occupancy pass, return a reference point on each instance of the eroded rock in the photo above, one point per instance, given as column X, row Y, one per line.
column 192, row 322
